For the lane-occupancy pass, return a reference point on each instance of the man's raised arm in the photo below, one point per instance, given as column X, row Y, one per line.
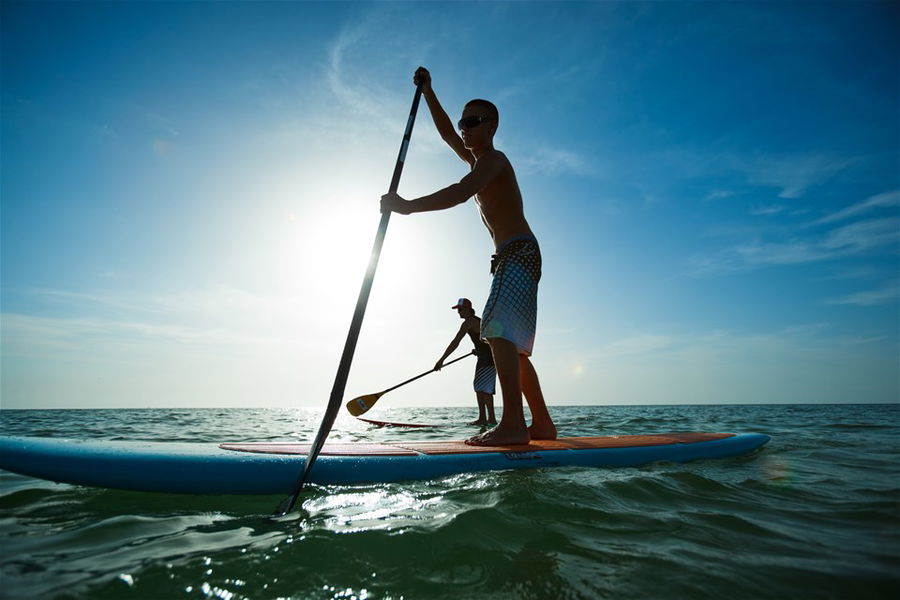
column 442, row 122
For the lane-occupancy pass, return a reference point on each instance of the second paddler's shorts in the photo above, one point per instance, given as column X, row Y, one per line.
column 485, row 377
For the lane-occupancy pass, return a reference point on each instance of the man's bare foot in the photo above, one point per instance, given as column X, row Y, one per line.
column 479, row 422
column 542, row 431
column 499, row 436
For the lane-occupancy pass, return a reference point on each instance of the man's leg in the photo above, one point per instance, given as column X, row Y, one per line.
column 489, row 405
column 512, row 429
column 482, row 418
column 542, row 427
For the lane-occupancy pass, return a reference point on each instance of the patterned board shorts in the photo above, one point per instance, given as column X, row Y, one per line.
column 511, row 309
column 485, row 378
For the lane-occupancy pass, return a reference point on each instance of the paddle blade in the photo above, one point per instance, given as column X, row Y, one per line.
column 358, row 406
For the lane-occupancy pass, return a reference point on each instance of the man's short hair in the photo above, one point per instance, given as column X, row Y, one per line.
column 489, row 108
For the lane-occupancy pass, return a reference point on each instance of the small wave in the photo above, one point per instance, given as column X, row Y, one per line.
column 860, row 426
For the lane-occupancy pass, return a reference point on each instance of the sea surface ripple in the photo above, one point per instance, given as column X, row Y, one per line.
column 814, row 514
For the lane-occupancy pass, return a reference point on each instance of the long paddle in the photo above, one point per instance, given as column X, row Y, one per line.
column 340, row 380
column 359, row 405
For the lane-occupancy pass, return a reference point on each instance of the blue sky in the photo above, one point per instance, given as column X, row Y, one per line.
column 190, row 192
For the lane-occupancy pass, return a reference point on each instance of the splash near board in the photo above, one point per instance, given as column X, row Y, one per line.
column 271, row 468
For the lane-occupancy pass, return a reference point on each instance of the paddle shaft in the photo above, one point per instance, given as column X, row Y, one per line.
column 424, row 374
column 340, row 380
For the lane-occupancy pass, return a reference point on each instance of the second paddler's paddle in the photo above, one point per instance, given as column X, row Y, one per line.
column 359, row 405
column 340, row 380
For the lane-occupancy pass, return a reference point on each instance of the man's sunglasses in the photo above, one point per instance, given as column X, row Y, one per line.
column 473, row 121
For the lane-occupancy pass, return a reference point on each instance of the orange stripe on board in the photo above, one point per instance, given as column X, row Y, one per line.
column 354, row 449
column 576, row 443
column 458, row 447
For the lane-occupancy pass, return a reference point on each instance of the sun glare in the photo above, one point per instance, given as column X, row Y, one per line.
column 328, row 250
column 321, row 247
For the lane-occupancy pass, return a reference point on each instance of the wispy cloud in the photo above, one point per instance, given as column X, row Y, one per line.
column 806, row 361
column 218, row 320
column 886, row 200
column 793, row 175
column 719, row 195
column 720, row 343
column 74, row 334
column 547, row 160
column 862, row 236
column 358, row 96
column 210, row 303
column 885, row 294
column 837, row 235
column 846, row 241
column 764, row 211
column 354, row 84
column 637, row 345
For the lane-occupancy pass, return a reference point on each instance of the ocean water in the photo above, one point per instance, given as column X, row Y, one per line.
column 814, row 514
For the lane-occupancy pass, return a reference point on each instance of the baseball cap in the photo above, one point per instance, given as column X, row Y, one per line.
column 462, row 303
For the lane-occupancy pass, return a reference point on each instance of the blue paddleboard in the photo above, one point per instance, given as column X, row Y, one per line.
column 272, row 468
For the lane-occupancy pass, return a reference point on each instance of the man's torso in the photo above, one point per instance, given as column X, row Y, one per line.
column 500, row 205
column 472, row 326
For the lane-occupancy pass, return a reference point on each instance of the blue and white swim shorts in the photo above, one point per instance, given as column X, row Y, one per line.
column 511, row 309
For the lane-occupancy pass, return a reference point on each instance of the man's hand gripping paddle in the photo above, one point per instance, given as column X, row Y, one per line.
column 340, row 380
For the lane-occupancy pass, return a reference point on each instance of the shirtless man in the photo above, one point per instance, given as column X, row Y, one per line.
column 485, row 372
column 510, row 315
